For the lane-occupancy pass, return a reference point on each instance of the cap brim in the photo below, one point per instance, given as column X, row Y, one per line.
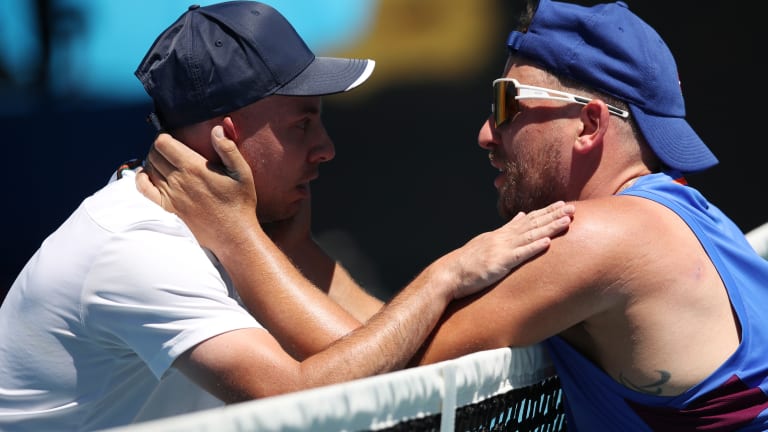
column 674, row 141
column 328, row 75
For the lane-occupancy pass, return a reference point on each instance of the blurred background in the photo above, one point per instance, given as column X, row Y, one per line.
column 409, row 182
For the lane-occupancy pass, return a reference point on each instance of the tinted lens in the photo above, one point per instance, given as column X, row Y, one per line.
column 504, row 102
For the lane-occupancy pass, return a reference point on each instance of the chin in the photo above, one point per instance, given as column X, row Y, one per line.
column 266, row 216
column 285, row 212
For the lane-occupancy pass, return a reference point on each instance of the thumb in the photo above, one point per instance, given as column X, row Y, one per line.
column 234, row 163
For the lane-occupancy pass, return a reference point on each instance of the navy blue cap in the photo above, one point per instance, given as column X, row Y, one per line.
column 216, row 59
column 612, row 50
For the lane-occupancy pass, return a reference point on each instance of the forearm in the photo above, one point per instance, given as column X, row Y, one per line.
column 299, row 315
column 250, row 363
column 391, row 336
column 332, row 278
column 293, row 309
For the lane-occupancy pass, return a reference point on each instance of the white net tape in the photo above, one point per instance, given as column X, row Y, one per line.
column 758, row 238
column 385, row 401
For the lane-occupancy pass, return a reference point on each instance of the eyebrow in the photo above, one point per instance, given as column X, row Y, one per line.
column 309, row 108
column 316, row 109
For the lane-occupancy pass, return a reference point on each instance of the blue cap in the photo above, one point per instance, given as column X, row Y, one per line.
column 216, row 59
column 612, row 50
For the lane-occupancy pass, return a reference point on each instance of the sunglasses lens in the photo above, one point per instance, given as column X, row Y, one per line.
column 503, row 101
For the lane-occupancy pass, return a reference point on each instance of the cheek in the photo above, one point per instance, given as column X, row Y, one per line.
column 251, row 152
column 262, row 159
column 518, row 143
column 537, row 141
column 261, row 166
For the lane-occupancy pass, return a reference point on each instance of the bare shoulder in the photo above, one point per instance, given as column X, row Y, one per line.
column 658, row 291
column 628, row 276
column 631, row 234
column 615, row 251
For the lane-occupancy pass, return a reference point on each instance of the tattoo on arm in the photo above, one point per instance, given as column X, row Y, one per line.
column 653, row 388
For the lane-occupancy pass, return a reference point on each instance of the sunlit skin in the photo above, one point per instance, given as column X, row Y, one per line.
column 592, row 285
column 305, row 299
column 303, row 320
column 628, row 285
column 526, row 150
column 284, row 141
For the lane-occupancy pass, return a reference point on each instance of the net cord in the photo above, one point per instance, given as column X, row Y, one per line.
column 442, row 397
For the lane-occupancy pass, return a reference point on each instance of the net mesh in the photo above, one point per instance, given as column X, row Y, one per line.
column 537, row 407
column 509, row 389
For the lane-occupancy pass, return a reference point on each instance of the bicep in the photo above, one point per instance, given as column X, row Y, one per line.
column 548, row 294
column 241, row 365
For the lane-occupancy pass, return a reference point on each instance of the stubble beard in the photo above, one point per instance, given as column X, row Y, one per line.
column 528, row 187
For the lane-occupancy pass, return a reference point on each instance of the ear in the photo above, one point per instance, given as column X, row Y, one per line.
column 594, row 119
column 230, row 129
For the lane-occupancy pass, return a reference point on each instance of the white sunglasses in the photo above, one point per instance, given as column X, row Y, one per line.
column 505, row 106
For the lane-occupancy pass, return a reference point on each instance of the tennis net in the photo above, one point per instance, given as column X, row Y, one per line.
column 507, row 389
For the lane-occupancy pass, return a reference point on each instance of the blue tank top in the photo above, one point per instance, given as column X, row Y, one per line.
column 734, row 396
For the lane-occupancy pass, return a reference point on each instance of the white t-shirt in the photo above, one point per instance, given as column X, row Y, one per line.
column 99, row 313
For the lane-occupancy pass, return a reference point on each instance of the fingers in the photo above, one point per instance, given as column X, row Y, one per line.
column 552, row 212
column 527, row 235
column 173, row 150
column 550, row 220
column 528, row 250
column 234, row 164
column 543, row 222
column 490, row 256
column 168, row 154
column 147, row 188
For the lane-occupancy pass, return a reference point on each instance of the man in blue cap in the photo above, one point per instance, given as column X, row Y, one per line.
column 122, row 294
column 652, row 305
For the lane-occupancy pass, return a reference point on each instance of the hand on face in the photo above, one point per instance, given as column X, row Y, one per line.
column 218, row 203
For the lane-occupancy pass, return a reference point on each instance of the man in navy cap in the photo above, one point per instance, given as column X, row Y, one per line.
column 122, row 294
column 652, row 305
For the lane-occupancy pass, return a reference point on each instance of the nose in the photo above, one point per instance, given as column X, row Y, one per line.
column 487, row 137
column 323, row 149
